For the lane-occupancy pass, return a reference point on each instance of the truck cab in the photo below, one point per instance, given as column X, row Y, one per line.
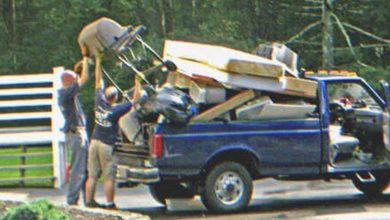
column 342, row 138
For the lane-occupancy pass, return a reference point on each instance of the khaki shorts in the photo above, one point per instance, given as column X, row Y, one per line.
column 101, row 160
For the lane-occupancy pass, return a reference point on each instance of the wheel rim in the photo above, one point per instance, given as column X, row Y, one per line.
column 229, row 188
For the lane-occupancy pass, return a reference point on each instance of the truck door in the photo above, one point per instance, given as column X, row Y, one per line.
column 355, row 125
column 386, row 127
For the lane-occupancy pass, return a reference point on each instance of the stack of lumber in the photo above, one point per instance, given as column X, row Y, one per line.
column 235, row 69
column 203, row 69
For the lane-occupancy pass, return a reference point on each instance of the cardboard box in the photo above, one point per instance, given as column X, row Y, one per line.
column 281, row 54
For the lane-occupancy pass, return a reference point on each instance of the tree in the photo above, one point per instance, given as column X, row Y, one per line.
column 328, row 20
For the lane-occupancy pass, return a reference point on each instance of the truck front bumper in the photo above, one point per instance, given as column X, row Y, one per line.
column 137, row 174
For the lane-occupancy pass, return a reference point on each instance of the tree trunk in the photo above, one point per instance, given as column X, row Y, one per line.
column 254, row 18
column 166, row 8
column 327, row 35
column 193, row 9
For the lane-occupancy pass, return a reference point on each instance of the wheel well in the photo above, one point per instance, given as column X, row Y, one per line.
column 245, row 158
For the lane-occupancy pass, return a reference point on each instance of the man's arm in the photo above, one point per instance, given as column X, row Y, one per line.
column 137, row 89
column 99, row 84
column 84, row 68
column 84, row 72
column 119, row 110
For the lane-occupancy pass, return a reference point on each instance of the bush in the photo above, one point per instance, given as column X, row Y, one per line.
column 36, row 210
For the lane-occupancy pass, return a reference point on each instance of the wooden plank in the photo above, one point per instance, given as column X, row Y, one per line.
column 26, row 91
column 224, row 107
column 25, row 116
column 283, row 85
column 19, row 167
column 26, row 103
column 302, row 87
column 223, row 58
column 179, row 80
column 26, row 79
column 24, row 129
column 194, row 70
column 19, row 138
column 25, row 155
column 27, row 179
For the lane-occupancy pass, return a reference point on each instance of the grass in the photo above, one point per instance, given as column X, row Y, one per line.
column 41, row 172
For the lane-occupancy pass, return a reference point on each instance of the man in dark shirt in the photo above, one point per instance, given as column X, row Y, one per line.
column 101, row 159
column 74, row 128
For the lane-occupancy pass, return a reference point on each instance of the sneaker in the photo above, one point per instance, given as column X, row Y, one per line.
column 71, row 204
column 94, row 204
column 111, row 206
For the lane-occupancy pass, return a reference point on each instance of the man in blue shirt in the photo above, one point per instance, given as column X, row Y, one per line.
column 101, row 159
column 74, row 128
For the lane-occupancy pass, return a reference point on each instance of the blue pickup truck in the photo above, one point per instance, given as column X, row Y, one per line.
column 345, row 137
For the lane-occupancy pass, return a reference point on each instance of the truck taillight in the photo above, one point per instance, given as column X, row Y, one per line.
column 157, row 145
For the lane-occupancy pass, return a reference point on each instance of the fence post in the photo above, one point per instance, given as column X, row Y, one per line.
column 24, row 162
column 59, row 149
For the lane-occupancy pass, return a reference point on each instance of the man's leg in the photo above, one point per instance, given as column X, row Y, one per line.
column 78, row 168
column 90, row 189
column 109, row 190
column 93, row 172
column 109, row 163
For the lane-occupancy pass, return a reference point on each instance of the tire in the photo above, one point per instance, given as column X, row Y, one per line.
column 371, row 189
column 162, row 191
column 227, row 188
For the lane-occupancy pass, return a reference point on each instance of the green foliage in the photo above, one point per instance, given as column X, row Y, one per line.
column 36, row 210
column 46, row 159
column 372, row 75
column 46, row 32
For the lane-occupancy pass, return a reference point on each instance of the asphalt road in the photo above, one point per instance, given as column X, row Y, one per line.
column 273, row 200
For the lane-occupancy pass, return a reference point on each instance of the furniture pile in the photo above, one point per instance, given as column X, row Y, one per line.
column 229, row 84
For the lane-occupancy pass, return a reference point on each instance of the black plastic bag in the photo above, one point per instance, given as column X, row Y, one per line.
column 175, row 105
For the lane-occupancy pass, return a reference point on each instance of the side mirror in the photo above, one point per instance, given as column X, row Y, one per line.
column 386, row 92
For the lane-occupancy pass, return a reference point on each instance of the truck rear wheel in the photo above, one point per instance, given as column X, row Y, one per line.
column 371, row 188
column 165, row 190
column 227, row 188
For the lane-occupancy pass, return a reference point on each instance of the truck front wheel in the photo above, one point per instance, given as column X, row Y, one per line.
column 227, row 188
column 371, row 188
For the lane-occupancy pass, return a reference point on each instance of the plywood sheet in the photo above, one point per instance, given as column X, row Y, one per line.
column 195, row 69
column 223, row 58
column 282, row 85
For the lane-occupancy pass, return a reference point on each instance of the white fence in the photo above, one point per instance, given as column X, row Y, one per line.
column 30, row 116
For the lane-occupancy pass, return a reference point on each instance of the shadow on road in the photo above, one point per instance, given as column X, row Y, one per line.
column 272, row 208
